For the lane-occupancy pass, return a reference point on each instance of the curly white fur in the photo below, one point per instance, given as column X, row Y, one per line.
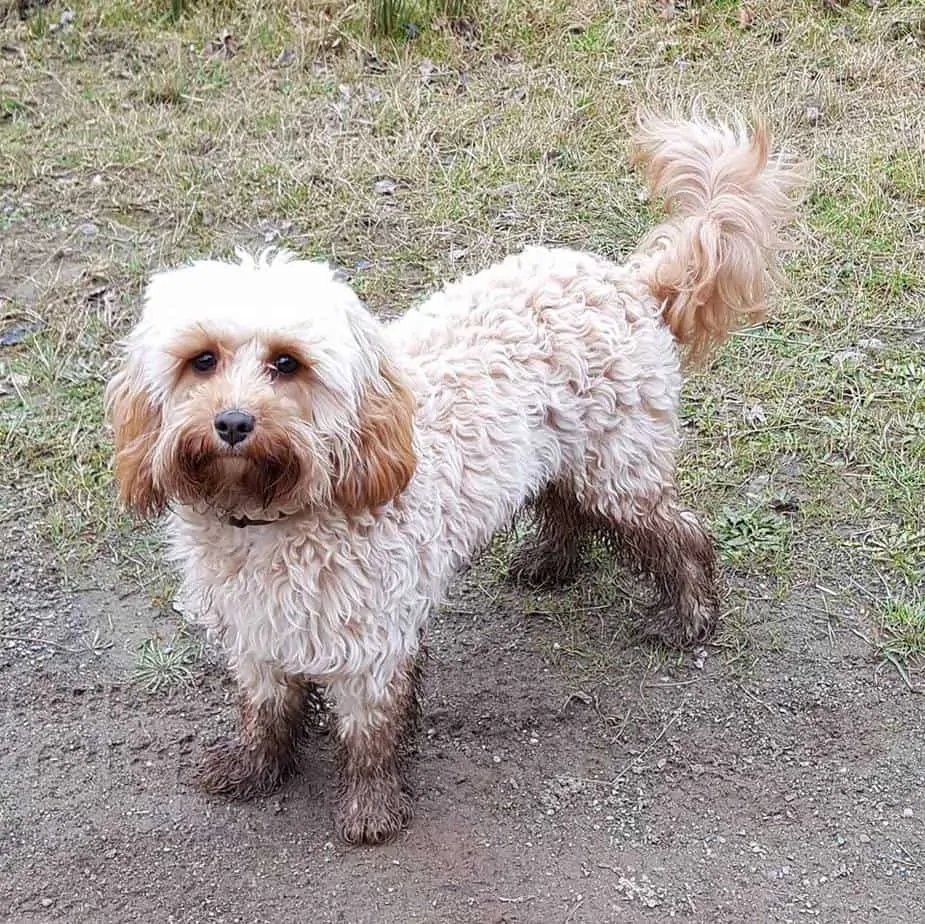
column 552, row 368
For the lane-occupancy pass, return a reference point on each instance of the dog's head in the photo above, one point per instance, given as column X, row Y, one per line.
column 258, row 387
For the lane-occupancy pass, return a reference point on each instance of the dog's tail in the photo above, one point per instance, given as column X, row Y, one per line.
column 710, row 261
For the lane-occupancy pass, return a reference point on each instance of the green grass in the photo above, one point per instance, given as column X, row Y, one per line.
column 902, row 634
column 165, row 139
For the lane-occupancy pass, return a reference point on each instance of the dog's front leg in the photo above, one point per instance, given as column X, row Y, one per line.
column 273, row 709
column 375, row 735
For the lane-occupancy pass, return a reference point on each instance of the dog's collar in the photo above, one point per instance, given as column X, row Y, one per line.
column 241, row 522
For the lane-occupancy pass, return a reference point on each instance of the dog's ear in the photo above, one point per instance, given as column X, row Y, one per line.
column 136, row 421
column 381, row 460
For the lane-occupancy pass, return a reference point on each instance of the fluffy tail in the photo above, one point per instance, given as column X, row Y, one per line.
column 710, row 261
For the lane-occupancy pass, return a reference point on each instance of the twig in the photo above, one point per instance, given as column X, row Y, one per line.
column 861, row 636
column 901, row 670
column 909, row 856
column 38, row 641
column 574, row 908
column 752, row 696
column 647, row 748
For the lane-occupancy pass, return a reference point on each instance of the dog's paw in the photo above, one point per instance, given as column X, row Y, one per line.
column 373, row 812
column 538, row 568
column 232, row 770
column 681, row 630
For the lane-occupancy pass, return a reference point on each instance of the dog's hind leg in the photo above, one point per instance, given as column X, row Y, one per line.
column 553, row 556
column 271, row 726
column 375, row 733
column 660, row 538
column 628, row 487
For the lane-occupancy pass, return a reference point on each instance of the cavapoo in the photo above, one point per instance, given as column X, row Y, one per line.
column 327, row 474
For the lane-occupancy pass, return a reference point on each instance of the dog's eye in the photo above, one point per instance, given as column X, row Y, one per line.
column 285, row 364
column 204, row 362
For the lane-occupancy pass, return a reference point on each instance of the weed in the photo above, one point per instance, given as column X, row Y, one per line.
column 750, row 534
column 902, row 548
column 162, row 664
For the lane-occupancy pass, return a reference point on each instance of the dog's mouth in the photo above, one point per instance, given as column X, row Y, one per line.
column 247, row 477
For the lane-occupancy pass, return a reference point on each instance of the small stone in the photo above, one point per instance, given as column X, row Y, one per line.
column 427, row 70
column 849, row 359
column 88, row 229
column 47, row 902
column 385, row 187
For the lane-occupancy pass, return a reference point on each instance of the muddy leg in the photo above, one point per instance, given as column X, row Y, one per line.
column 552, row 557
column 265, row 750
column 375, row 739
column 670, row 544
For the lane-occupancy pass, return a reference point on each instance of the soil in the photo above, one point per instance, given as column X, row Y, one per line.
column 784, row 786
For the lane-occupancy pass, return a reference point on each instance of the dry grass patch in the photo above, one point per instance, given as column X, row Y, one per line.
column 130, row 142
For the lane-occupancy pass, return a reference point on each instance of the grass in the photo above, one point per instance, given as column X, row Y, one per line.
column 165, row 663
column 391, row 17
column 902, row 634
column 131, row 140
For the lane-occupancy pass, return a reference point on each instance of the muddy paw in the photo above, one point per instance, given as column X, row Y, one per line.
column 539, row 568
column 232, row 770
column 373, row 813
column 681, row 630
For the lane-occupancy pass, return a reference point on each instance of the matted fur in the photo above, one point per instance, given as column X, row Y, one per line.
column 395, row 452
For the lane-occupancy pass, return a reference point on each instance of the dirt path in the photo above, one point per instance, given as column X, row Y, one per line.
column 795, row 793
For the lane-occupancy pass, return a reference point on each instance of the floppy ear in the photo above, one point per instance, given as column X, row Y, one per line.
column 381, row 461
column 136, row 421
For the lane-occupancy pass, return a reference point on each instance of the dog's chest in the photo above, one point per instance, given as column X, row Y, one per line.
column 307, row 606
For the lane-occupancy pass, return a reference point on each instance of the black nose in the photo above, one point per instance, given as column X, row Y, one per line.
column 233, row 426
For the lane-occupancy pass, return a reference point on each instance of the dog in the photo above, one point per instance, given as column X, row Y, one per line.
column 327, row 474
